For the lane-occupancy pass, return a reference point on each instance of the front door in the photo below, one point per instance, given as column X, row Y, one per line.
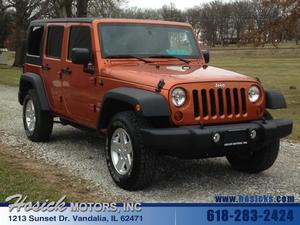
column 81, row 92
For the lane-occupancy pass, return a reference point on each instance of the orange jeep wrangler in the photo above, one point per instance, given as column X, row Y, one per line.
column 147, row 86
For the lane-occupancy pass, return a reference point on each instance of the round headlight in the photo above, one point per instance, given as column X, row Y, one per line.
column 254, row 93
column 178, row 97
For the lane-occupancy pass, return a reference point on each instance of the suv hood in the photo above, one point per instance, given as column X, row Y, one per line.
column 150, row 74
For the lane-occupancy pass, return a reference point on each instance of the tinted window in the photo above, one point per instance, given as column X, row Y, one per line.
column 35, row 40
column 80, row 37
column 54, row 41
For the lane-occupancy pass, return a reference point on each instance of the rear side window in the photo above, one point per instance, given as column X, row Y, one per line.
column 54, row 41
column 80, row 37
column 35, row 40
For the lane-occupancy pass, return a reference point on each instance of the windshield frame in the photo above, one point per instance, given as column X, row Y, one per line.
column 193, row 57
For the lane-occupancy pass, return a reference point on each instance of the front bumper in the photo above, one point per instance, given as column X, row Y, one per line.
column 197, row 141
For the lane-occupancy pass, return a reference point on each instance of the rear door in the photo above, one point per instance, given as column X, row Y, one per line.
column 51, row 66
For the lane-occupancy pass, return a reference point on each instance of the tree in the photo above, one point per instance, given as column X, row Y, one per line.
column 105, row 8
column 257, row 21
column 61, row 8
column 222, row 15
column 208, row 23
column 82, row 8
column 5, row 24
column 242, row 17
column 171, row 13
column 297, row 35
column 24, row 12
column 138, row 13
column 276, row 20
column 192, row 16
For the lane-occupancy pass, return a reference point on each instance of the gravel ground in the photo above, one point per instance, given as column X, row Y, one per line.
column 178, row 180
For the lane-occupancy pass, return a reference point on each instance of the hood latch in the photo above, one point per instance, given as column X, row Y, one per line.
column 160, row 85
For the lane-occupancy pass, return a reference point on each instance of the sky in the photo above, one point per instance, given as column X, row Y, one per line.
column 180, row 4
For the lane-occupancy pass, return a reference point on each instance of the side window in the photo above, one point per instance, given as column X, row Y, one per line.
column 35, row 40
column 54, row 41
column 80, row 37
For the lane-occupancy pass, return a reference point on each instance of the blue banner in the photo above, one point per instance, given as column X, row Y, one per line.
column 153, row 214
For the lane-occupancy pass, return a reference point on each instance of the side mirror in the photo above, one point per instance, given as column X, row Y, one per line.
column 206, row 56
column 81, row 56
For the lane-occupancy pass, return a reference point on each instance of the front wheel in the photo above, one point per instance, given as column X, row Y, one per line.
column 256, row 161
column 130, row 163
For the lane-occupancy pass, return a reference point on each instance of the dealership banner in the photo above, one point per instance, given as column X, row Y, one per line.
column 22, row 212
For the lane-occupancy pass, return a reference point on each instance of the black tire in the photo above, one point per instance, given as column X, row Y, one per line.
column 256, row 161
column 144, row 160
column 44, row 121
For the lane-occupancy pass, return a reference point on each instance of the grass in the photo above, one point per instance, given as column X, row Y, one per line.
column 22, row 174
column 285, row 45
column 278, row 69
column 15, row 181
column 10, row 75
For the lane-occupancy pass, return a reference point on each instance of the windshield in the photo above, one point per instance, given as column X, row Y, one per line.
column 147, row 40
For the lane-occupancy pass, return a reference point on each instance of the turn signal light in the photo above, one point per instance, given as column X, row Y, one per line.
column 138, row 107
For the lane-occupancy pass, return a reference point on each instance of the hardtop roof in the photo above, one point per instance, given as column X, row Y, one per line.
column 105, row 20
column 63, row 20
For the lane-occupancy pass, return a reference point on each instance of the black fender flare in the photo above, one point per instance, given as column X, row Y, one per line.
column 275, row 100
column 33, row 80
column 152, row 104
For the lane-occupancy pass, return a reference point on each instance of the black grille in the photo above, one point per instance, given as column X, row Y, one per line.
column 204, row 103
column 236, row 101
column 219, row 102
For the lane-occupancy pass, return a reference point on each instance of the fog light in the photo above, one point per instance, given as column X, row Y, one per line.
column 216, row 137
column 178, row 116
column 253, row 134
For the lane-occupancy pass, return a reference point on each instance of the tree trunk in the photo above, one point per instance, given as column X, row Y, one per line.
column 20, row 53
column 68, row 5
column 63, row 8
column 82, row 8
column 21, row 23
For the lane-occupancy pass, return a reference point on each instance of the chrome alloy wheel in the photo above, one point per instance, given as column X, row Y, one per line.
column 30, row 115
column 121, row 151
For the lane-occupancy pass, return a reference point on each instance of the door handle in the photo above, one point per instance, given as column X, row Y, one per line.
column 66, row 71
column 45, row 67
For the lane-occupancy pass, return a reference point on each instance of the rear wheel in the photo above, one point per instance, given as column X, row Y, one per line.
column 38, row 124
column 256, row 161
column 130, row 163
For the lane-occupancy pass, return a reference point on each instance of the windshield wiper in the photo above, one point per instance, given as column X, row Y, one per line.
column 127, row 56
column 170, row 56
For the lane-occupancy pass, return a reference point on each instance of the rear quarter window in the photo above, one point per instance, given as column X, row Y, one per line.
column 34, row 44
